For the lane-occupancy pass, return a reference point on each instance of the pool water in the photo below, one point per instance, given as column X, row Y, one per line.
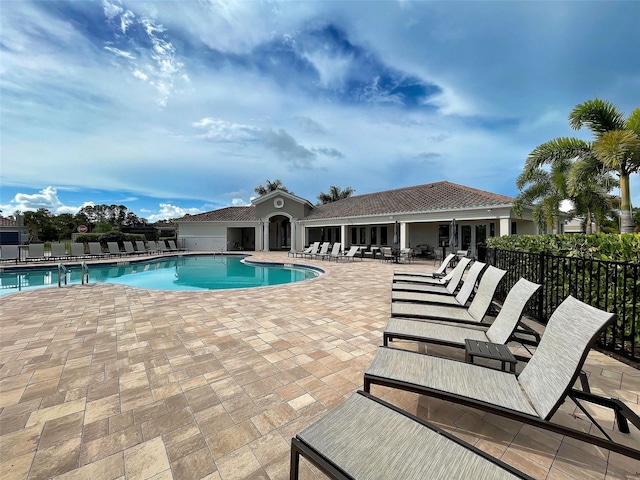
column 197, row 272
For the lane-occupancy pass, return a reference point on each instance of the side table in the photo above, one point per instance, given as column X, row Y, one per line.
column 493, row 351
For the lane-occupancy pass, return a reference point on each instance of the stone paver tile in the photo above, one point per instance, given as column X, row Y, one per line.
column 166, row 423
column 271, row 419
column 146, row 460
column 103, row 408
column 19, row 442
column 194, row 466
column 39, row 417
column 55, row 460
column 61, row 429
column 106, row 469
column 17, row 467
column 239, row 465
column 109, row 444
column 232, row 438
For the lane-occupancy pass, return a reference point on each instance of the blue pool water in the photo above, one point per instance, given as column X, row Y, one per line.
column 197, row 272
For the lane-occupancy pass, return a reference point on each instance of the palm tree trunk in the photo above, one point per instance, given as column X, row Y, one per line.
column 627, row 224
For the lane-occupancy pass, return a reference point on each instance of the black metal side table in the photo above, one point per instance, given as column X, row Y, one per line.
column 493, row 351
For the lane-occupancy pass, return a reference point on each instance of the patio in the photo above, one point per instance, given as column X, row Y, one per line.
column 104, row 381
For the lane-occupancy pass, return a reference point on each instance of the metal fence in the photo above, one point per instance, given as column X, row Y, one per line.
column 610, row 286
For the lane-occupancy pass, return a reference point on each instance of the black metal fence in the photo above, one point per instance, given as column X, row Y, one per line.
column 610, row 286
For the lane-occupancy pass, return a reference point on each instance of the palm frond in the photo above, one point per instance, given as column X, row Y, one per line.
column 619, row 150
column 597, row 115
column 633, row 122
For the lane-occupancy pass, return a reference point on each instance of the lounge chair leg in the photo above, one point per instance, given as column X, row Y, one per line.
column 294, row 469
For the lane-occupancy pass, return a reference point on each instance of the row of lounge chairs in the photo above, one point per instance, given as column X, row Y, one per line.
column 366, row 437
column 321, row 251
column 36, row 252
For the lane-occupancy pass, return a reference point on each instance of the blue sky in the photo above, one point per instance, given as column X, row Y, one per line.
column 181, row 107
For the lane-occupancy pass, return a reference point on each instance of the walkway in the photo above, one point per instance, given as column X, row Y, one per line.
column 106, row 381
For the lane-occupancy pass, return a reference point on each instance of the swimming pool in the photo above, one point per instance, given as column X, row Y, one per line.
column 188, row 272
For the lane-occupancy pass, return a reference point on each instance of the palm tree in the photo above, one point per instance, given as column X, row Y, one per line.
column 270, row 187
column 547, row 188
column 616, row 148
column 334, row 194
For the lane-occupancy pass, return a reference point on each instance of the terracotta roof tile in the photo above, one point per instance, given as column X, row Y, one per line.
column 226, row 214
column 419, row 198
column 7, row 222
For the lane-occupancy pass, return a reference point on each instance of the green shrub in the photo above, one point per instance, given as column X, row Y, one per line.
column 598, row 246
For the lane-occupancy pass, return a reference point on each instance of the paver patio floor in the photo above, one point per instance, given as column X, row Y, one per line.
column 106, row 381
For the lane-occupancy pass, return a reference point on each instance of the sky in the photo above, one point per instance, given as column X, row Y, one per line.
column 174, row 107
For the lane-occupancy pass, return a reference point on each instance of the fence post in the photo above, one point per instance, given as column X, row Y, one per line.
column 542, row 289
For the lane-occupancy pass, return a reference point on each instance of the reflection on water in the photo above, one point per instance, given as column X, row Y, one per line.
column 179, row 273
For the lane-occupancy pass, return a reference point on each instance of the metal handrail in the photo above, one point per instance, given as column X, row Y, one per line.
column 62, row 270
column 85, row 273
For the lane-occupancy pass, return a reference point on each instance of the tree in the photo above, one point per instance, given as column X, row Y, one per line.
column 334, row 194
column 576, row 169
column 616, row 148
column 271, row 187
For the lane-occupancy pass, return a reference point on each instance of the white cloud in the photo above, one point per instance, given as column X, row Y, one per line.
column 168, row 211
column 46, row 198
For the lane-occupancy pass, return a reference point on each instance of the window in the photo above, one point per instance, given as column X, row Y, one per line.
column 465, row 240
column 481, row 234
column 492, row 229
column 383, row 235
column 363, row 236
column 354, row 236
column 514, row 229
column 374, row 235
column 443, row 235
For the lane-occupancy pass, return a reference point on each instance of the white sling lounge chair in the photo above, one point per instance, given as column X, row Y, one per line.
column 500, row 331
column 324, row 248
column 350, row 255
column 35, row 252
column 447, row 284
column 314, row 250
column 459, row 300
column 335, row 251
column 474, row 314
column 533, row 396
column 367, row 438
column 58, row 251
column 440, row 272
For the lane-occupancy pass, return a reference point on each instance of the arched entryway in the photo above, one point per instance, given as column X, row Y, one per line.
column 279, row 233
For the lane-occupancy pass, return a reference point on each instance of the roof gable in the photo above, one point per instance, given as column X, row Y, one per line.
column 226, row 214
column 278, row 192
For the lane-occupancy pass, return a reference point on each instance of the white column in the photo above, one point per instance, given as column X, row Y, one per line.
column 343, row 235
column 294, row 237
column 404, row 235
column 265, row 234
column 257, row 235
column 505, row 226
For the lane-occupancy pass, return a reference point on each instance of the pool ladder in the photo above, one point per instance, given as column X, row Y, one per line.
column 63, row 273
column 225, row 247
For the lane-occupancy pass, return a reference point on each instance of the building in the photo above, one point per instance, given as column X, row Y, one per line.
column 13, row 231
column 420, row 217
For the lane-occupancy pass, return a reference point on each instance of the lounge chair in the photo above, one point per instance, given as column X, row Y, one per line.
column 440, row 272
column 335, row 251
column 141, row 248
column 365, row 437
column 460, row 300
column 58, row 251
column 77, row 250
column 309, row 251
column 533, row 396
column 350, row 254
column 386, row 254
column 114, row 249
column 456, row 273
column 128, row 248
column 500, row 331
column 473, row 315
column 95, row 249
column 10, row 253
column 324, row 248
column 452, row 279
column 152, row 247
column 35, row 252
column 173, row 247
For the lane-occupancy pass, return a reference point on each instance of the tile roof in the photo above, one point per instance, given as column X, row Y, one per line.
column 419, row 198
column 8, row 222
column 226, row 214
column 429, row 197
